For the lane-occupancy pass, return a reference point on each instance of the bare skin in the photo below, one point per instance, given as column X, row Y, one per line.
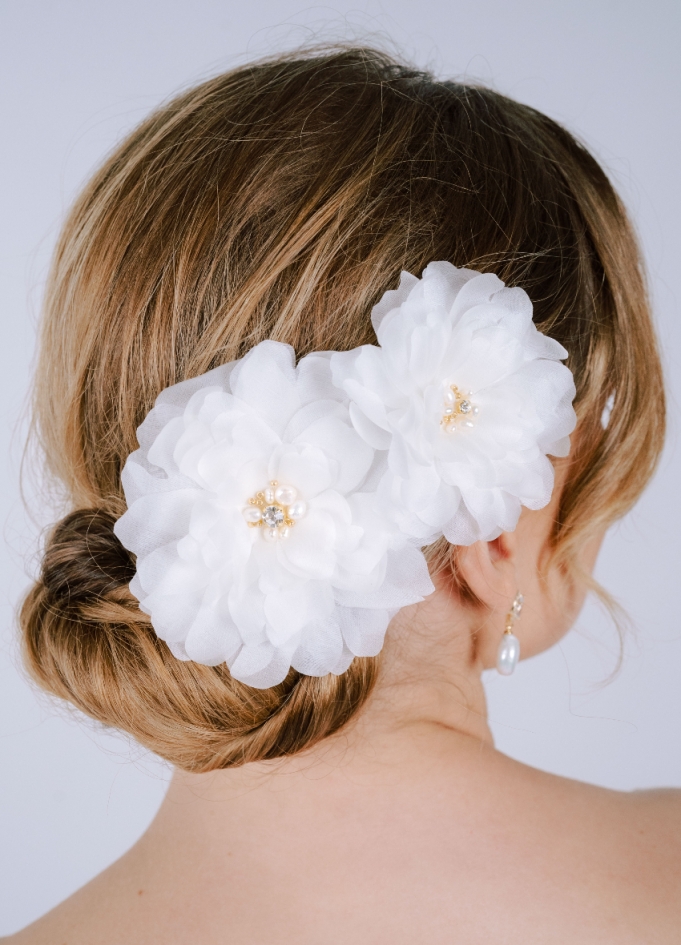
column 408, row 826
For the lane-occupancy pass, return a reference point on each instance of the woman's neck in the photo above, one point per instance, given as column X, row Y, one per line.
column 429, row 680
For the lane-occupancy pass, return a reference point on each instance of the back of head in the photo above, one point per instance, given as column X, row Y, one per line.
column 281, row 201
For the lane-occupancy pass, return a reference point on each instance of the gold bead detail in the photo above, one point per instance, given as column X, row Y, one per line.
column 459, row 410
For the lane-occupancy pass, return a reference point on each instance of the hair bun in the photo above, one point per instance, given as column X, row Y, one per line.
column 84, row 562
column 86, row 640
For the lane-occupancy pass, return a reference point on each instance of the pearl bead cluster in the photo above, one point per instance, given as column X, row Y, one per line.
column 458, row 410
column 276, row 510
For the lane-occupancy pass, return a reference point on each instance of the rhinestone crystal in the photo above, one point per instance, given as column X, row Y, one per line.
column 517, row 605
column 273, row 515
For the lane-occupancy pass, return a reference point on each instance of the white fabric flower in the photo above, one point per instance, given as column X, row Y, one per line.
column 253, row 515
column 467, row 397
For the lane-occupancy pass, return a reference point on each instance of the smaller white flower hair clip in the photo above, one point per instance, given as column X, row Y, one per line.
column 466, row 396
column 252, row 513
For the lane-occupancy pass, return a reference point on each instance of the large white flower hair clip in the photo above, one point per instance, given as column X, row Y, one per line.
column 278, row 511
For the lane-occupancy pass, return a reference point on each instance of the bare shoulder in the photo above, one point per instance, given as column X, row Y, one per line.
column 614, row 818
column 103, row 911
column 50, row 929
column 63, row 925
column 652, row 815
column 665, row 801
column 656, row 814
column 602, row 865
column 618, row 851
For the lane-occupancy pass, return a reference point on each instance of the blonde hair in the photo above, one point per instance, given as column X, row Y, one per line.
column 280, row 201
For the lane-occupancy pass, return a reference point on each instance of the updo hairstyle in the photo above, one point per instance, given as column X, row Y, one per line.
column 281, row 200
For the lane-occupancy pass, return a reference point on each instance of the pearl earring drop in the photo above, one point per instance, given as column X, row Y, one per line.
column 509, row 647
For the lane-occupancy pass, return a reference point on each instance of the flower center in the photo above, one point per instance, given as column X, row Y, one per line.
column 458, row 411
column 275, row 509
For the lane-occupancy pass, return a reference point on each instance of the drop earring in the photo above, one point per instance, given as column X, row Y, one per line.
column 509, row 647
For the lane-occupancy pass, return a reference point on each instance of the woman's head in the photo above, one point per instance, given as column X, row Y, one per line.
column 281, row 201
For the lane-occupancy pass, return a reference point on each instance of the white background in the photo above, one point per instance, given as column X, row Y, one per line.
column 75, row 77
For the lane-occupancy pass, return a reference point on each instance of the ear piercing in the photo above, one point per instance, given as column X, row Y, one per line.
column 509, row 647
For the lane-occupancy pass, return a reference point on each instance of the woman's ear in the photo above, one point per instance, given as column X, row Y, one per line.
column 489, row 570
